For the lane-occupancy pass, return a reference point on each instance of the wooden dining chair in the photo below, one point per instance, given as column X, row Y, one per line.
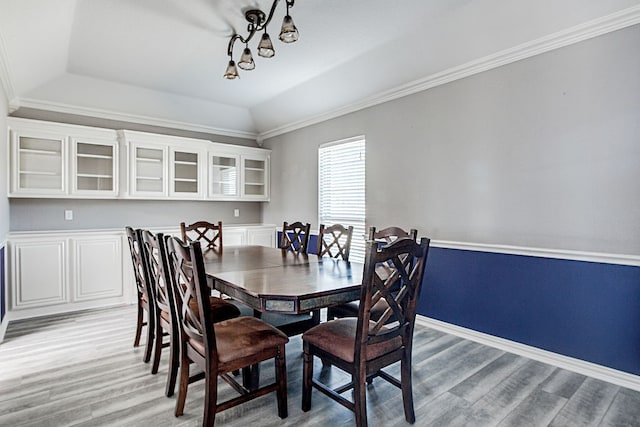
column 208, row 234
column 144, row 292
column 361, row 346
column 221, row 349
column 295, row 237
column 166, row 325
column 166, row 331
column 382, row 237
column 334, row 241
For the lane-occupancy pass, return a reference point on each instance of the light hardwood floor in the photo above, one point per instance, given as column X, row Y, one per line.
column 81, row 370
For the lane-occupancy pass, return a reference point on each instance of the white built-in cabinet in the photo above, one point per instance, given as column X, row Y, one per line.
column 68, row 161
column 59, row 160
column 55, row 272
column 62, row 271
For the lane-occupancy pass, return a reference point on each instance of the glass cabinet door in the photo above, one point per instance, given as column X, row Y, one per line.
column 149, row 176
column 255, row 178
column 40, row 164
column 223, row 176
column 95, row 168
column 185, row 173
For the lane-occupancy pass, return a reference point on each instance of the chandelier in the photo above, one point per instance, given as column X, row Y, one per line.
column 258, row 21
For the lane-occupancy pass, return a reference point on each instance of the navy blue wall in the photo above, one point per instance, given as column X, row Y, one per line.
column 585, row 310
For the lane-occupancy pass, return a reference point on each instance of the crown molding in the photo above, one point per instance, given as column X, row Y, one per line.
column 597, row 27
column 126, row 117
column 5, row 73
column 590, row 369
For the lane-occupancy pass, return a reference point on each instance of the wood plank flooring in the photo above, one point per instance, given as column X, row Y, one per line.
column 82, row 370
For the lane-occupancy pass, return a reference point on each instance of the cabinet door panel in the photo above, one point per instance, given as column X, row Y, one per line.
column 97, row 268
column 261, row 236
column 234, row 237
column 39, row 273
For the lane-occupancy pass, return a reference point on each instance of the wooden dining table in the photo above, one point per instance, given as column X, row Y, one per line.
column 273, row 280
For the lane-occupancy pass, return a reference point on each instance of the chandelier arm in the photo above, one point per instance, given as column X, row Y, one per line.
column 264, row 24
column 232, row 41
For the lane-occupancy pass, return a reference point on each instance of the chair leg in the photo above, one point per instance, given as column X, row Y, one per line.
column 140, row 320
column 281, row 380
column 210, row 398
column 360, row 398
column 407, row 390
column 157, row 351
column 174, row 360
column 184, row 385
column 307, row 378
column 148, row 348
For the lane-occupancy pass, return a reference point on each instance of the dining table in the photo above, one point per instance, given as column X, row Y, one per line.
column 272, row 280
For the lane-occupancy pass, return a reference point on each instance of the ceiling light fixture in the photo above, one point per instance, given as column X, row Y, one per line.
column 258, row 21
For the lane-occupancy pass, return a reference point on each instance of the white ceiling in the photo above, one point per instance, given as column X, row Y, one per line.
column 161, row 61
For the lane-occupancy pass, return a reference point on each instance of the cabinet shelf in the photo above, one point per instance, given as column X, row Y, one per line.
column 93, row 175
column 44, row 173
column 95, row 156
column 148, row 160
column 254, row 183
column 43, row 152
column 184, row 162
column 150, row 178
column 185, row 180
column 255, row 169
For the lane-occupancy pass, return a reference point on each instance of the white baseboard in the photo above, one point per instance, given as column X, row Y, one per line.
column 3, row 327
column 593, row 370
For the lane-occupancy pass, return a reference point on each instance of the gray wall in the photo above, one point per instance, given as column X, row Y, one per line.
column 544, row 152
column 48, row 214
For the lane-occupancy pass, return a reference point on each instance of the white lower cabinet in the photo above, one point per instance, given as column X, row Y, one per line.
column 234, row 236
column 261, row 236
column 57, row 272
column 97, row 267
column 63, row 271
column 38, row 273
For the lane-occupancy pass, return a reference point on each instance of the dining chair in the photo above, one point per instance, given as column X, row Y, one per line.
column 208, row 234
column 361, row 346
column 165, row 328
column 222, row 348
column 382, row 237
column 166, row 325
column 295, row 237
column 144, row 293
column 334, row 241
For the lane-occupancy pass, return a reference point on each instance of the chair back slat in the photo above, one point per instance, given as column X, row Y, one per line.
column 134, row 238
column 334, row 241
column 400, row 290
column 208, row 234
column 183, row 278
column 295, row 237
column 155, row 256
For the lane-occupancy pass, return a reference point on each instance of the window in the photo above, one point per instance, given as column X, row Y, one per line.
column 341, row 189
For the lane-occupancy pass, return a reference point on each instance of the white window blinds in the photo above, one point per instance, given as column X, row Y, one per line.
column 341, row 189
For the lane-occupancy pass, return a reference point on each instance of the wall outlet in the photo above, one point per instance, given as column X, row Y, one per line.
column 236, row 213
column 68, row 215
